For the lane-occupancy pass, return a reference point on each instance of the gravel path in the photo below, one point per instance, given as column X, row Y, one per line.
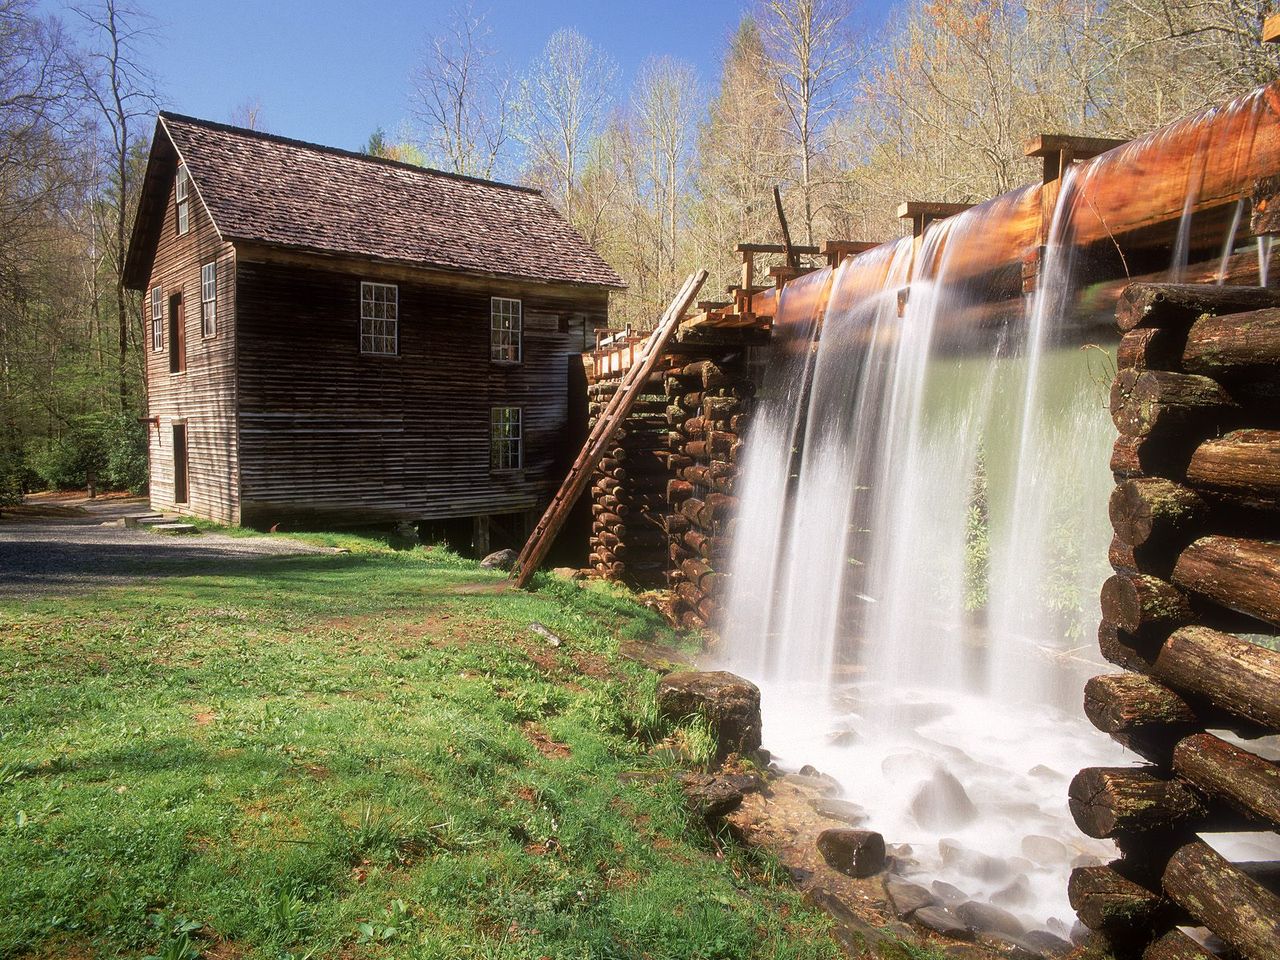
column 86, row 548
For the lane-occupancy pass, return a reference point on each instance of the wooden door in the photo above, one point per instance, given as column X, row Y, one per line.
column 177, row 335
column 179, row 463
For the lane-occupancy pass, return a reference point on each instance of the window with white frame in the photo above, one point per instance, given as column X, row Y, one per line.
column 506, row 438
column 180, row 195
column 157, row 319
column 379, row 318
column 209, row 299
column 504, row 329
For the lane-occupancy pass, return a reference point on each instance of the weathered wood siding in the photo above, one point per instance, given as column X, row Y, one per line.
column 331, row 435
column 204, row 394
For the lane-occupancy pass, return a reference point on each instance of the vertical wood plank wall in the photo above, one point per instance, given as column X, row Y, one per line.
column 204, row 394
column 330, row 435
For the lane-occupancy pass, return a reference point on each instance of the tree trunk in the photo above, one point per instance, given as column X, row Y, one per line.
column 1107, row 802
column 1144, row 605
column 1243, row 465
column 1155, row 402
column 1114, row 905
column 1180, row 304
column 1242, row 912
column 1234, row 346
column 1242, row 575
column 1246, row 782
column 1176, row 945
column 1156, row 513
column 1232, row 674
column 1139, row 713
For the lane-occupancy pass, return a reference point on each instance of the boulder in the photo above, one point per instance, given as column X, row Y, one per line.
column 545, row 633
column 843, row 810
column 711, row 797
column 988, row 918
column 1044, row 946
column 941, row 803
column 1045, row 851
column 906, row 898
column 813, row 773
column 500, row 560
column 856, row 853
column 822, row 786
column 1016, row 893
column 949, row 892
column 980, row 866
column 943, row 921
column 1049, row 944
column 730, row 703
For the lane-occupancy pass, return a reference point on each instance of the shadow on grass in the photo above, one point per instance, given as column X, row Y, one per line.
column 107, row 566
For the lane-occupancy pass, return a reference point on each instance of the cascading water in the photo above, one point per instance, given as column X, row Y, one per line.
column 766, row 468
column 923, row 528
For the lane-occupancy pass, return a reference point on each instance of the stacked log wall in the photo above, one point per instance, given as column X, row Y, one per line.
column 708, row 402
column 1192, row 614
column 628, row 491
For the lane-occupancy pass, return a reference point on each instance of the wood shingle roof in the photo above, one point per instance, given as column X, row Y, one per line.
column 262, row 188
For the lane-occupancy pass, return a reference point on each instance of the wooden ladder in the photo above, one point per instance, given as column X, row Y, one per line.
column 615, row 412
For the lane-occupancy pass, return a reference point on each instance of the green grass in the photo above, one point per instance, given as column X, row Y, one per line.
column 338, row 756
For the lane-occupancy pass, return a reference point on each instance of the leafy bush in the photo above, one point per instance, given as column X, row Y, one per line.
column 111, row 447
column 61, row 463
column 124, row 440
column 11, row 478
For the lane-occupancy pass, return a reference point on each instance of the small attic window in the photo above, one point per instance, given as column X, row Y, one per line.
column 180, row 193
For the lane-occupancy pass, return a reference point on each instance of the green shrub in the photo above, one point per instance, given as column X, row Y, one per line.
column 59, row 462
column 125, row 442
column 11, row 478
column 110, row 447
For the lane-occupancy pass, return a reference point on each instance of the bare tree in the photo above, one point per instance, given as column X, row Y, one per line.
column 811, row 56
column 41, row 175
column 249, row 113
column 564, row 102
column 741, row 154
column 37, row 114
column 122, row 92
column 665, row 103
column 461, row 99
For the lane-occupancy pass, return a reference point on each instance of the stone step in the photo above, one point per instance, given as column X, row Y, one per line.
column 147, row 520
column 174, row 528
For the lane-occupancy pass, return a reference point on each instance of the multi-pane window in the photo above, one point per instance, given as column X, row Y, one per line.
column 506, row 439
column 379, row 318
column 209, row 299
column 504, row 329
column 180, row 194
column 157, row 319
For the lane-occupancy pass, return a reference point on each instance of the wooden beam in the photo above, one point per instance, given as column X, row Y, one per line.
column 933, row 210
column 837, row 250
column 1271, row 29
column 921, row 214
column 1080, row 148
column 775, row 248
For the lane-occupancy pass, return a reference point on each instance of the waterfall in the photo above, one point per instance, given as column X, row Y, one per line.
column 766, row 468
column 923, row 530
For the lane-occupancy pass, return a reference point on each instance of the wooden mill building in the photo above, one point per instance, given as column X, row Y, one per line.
column 339, row 338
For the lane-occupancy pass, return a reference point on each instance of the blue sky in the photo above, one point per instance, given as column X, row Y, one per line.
column 331, row 71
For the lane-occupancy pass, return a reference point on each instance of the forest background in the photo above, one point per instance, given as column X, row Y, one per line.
column 662, row 177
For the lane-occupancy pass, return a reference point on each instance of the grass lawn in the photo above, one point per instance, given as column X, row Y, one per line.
column 359, row 755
